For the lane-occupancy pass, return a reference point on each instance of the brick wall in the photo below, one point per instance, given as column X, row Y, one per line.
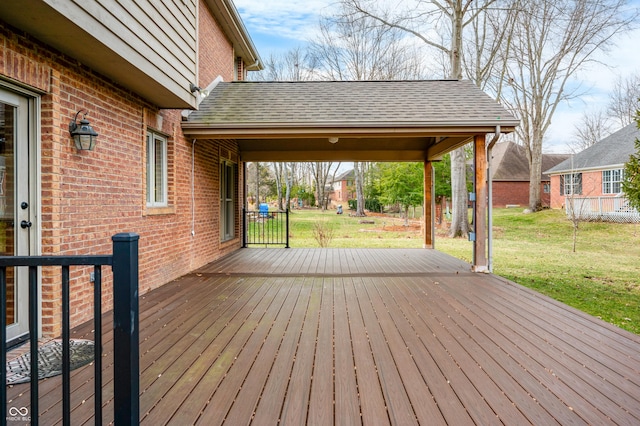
column 591, row 187
column 215, row 53
column 87, row 196
column 516, row 193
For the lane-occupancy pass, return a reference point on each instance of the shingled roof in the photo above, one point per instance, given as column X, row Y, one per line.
column 445, row 102
column 372, row 119
column 509, row 163
column 612, row 151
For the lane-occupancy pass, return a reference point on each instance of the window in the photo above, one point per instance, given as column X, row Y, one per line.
column 547, row 188
column 156, row 170
column 612, row 181
column 571, row 184
column 227, row 200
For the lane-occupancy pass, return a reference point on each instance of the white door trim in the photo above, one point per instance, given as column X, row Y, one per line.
column 28, row 188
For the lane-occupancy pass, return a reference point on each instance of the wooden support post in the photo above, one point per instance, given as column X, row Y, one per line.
column 480, row 263
column 429, row 229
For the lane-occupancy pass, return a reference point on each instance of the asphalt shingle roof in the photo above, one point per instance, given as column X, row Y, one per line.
column 441, row 102
column 614, row 150
column 510, row 163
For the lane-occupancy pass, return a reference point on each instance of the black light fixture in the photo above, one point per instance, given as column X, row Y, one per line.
column 203, row 93
column 83, row 134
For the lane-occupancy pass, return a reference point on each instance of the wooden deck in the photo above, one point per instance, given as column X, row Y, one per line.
column 339, row 336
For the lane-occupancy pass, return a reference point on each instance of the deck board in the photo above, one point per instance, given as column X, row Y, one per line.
column 321, row 400
column 372, row 337
column 399, row 407
column 372, row 402
column 295, row 405
column 347, row 402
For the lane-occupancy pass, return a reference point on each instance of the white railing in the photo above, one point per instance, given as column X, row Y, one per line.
column 606, row 209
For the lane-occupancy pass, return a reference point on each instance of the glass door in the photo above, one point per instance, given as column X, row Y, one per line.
column 15, row 217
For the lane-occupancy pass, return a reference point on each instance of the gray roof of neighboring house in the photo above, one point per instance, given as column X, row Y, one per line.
column 420, row 102
column 349, row 174
column 614, row 150
column 509, row 162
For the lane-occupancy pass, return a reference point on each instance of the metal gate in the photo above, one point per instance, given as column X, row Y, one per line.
column 264, row 227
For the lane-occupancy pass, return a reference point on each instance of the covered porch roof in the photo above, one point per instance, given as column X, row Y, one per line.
column 372, row 120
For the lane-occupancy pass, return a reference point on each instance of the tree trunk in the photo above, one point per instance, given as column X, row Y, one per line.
column 535, row 172
column 357, row 171
column 459, row 195
column 459, row 211
column 289, row 183
column 257, row 184
column 277, row 167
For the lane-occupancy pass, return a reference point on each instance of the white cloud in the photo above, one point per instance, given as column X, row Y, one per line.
column 282, row 18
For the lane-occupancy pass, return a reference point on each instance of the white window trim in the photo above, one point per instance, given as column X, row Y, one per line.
column 227, row 230
column 610, row 182
column 152, row 138
column 574, row 182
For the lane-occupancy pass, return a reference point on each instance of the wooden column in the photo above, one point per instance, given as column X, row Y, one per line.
column 428, row 206
column 480, row 263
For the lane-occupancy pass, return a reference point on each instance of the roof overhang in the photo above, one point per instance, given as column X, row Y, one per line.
column 372, row 121
column 585, row 169
column 288, row 143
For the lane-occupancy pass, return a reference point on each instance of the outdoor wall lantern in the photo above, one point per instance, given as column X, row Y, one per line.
column 203, row 93
column 83, row 134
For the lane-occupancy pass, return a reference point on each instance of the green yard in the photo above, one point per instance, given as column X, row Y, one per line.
column 535, row 250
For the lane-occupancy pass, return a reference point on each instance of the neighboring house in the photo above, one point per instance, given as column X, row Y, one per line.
column 510, row 175
column 598, row 171
column 342, row 189
column 132, row 69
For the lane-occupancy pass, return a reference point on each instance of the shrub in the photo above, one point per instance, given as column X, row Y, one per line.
column 323, row 233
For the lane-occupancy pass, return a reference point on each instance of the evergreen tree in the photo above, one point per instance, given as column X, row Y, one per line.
column 631, row 184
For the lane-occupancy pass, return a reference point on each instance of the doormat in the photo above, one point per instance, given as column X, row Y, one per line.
column 49, row 360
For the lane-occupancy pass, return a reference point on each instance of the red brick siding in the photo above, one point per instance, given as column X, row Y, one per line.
column 89, row 196
column 591, row 187
column 342, row 195
column 215, row 52
column 516, row 193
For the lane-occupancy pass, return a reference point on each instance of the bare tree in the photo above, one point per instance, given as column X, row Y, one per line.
column 359, row 48
column 552, row 41
column 295, row 65
column 358, row 171
column 349, row 47
column 593, row 127
column 277, row 169
column 321, row 173
column 625, row 99
column 429, row 21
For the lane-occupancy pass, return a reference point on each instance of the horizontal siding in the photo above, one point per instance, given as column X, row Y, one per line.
column 157, row 36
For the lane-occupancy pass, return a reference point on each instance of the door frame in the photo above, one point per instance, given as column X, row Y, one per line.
column 33, row 101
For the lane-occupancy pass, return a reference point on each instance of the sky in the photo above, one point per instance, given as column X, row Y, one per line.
column 276, row 26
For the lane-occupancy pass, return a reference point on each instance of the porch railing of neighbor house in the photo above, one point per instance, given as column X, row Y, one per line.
column 263, row 227
column 606, row 209
column 124, row 264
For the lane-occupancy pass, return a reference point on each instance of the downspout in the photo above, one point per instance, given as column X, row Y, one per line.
column 193, row 184
column 253, row 66
column 493, row 141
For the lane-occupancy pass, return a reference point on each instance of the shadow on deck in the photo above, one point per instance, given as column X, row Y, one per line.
column 371, row 336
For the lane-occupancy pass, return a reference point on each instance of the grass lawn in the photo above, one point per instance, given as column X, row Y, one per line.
column 602, row 278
